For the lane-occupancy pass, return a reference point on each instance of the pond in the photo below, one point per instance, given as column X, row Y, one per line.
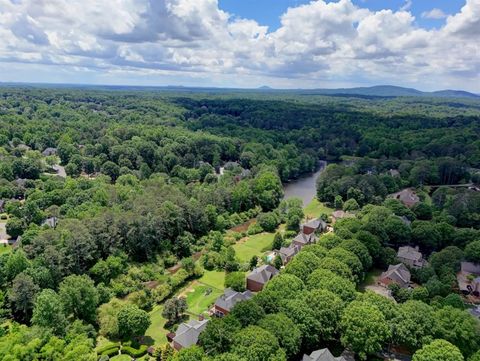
column 305, row 187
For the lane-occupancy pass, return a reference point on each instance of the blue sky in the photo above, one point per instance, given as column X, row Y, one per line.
column 268, row 12
column 428, row 45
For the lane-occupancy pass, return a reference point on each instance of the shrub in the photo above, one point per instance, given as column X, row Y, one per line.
column 111, row 351
column 133, row 352
column 254, row 228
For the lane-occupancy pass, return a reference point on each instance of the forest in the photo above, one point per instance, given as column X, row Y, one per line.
column 113, row 202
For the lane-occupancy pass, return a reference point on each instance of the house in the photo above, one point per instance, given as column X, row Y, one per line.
column 394, row 173
column 303, row 239
column 260, row 276
column 224, row 304
column 407, row 196
column 398, row 274
column 411, row 256
column 287, row 253
column 51, row 222
column 187, row 333
column 314, row 225
column 340, row 215
column 49, row 151
column 469, row 278
column 322, row 355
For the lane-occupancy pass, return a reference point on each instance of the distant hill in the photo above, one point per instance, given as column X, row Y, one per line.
column 377, row 91
column 393, row 91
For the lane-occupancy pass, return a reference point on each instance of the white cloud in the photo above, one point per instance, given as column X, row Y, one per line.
column 317, row 43
column 434, row 13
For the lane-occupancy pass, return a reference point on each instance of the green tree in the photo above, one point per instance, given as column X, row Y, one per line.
column 472, row 252
column 48, row 312
column 364, row 329
column 247, row 312
column 277, row 241
column 285, row 330
column 326, row 279
column 132, row 321
column 438, row 350
column 350, row 205
column 79, row 297
column 23, row 294
column 459, row 328
column 256, row 344
column 416, row 324
column 235, row 281
column 219, row 334
column 174, row 308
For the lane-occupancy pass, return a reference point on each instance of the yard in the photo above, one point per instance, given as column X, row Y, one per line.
column 5, row 248
column 315, row 208
column 253, row 246
column 156, row 331
column 200, row 297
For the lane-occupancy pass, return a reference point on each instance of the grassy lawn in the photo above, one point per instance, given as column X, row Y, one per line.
column 121, row 358
column 216, row 279
column 370, row 278
column 253, row 246
column 198, row 300
column 5, row 249
column 156, row 330
column 315, row 208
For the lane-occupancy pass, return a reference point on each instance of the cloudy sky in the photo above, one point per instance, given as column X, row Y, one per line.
column 425, row 44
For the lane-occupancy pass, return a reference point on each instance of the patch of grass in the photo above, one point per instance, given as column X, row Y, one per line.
column 370, row 278
column 253, row 246
column 5, row 249
column 200, row 299
column 215, row 279
column 157, row 330
column 315, row 208
column 121, row 358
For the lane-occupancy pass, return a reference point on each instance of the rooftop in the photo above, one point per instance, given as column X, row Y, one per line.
column 263, row 274
column 230, row 298
column 187, row 333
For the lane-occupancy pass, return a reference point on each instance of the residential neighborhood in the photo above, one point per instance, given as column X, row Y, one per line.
column 411, row 256
column 187, row 333
column 257, row 279
column 396, row 274
column 224, row 304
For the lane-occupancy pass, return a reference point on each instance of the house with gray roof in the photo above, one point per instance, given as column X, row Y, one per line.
column 411, row 256
column 469, row 278
column 407, row 196
column 322, row 355
column 51, row 222
column 287, row 253
column 187, row 333
column 49, row 152
column 257, row 279
column 398, row 274
column 303, row 239
column 224, row 304
column 314, row 225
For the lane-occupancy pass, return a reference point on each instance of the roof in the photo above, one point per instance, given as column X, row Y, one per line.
column 322, row 355
column 470, row 267
column 305, row 238
column 187, row 333
column 409, row 253
column 341, row 214
column 289, row 251
column 399, row 273
column 316, row 224
column 51, row 222
column 230, row 298
column 262, row 274
column 407, row 196
column 49, row 151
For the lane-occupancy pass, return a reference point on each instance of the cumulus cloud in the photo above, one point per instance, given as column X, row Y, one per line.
column 317, row 43
column 434, row 13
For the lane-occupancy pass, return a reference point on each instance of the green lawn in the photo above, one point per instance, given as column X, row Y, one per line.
column 156, row 330
column 253, row 246
column 200, row 299
column 121, row 358
column 5, row 249
column 315, row 208
column 215, row 279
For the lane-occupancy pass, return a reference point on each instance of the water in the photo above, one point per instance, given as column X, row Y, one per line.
column 304, row 188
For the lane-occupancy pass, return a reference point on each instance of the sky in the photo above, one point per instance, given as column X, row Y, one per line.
column 425, row 44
